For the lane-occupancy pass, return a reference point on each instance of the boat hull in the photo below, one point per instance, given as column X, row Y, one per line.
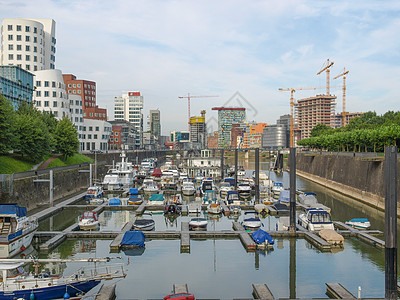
column 52, row 292
column 17, row 245
column 188, row 192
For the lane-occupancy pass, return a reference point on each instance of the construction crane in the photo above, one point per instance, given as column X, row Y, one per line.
column 344, row 95
column 189, row 97
column 326, row 68
column 292, row 90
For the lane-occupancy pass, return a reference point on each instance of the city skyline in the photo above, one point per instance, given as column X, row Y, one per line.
column 172, row 48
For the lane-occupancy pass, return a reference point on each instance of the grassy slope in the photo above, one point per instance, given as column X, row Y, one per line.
column 74, row 159
column 13, row 164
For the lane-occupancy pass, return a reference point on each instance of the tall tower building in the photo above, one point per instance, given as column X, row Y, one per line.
column 129, row 107
column 198, row 129
column 28, row 43
column 226, row 117
column 154, row 124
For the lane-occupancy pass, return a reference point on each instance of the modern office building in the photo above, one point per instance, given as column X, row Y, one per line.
column 129, row 107
column 16, row 85
column 50, row 94
column 28, row 43
column 198, row 130
column 97, row 134
column 154, row 123
column 312, row 111
column 126, row 139
column 274, row 137
column 87, row 91
column 226, row 117
column 76, row 115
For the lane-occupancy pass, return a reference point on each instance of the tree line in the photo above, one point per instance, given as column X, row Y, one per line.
column 368, row 132
column 35, row 134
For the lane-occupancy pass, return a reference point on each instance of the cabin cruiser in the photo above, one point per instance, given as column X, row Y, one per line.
column 16, row 229
column 277, row 188
column 94, row 192
column 224, row 188
column 232, row 198
column 359, row 223
column 150, row 187
column 121, row 175
column 207, row 185
column 168, row 182
column 89, row 221
column 315, row 219
column 188, row 188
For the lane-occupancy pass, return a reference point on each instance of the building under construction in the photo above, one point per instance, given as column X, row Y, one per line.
column 312, row 111
column 198, row 129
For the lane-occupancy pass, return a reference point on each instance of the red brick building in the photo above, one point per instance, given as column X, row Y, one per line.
column 87, row 91
column 212, row 141
column 115, row 140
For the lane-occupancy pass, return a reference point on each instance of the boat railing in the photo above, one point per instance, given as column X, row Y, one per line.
column 109, row 271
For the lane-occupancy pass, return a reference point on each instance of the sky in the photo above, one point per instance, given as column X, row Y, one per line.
column 241, row 51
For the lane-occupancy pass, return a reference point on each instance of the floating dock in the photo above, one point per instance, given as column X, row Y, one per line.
column 185, row 237
column 116, row 243
column 261, row 291
column 337, row 291
column 244, row 237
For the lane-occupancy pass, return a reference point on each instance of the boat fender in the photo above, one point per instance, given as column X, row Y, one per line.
column 66, row 295
column 22, row 248
column 32, row 296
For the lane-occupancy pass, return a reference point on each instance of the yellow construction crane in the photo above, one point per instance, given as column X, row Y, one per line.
column 344, row 95
column 326, row 68
column 189, row 97
column 292, row 90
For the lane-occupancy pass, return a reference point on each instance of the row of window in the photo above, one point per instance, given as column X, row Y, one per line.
column 95, row 114
column 87, row 86
column 27, row 48
column 18, row 38
column 112, row 140
column 46, row 103
column 77, row 102
column 79, row 91
column 27, row 28
column 47, row 94
column 77, row 111
column 27, row 57
column 46, row 83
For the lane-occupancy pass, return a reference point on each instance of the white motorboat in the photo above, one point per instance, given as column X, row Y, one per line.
column 111, row 181
column 277, row 188
column 94, row 192
column 194, row 207
column 214, row 208
column 150, row 187
column 359, row 223
column 244, row 190
column 315, row 219
column 251, row 220
column 89, row 221
column 16, row 283
column 224, row 188
column 121, row 175
column 188, row 188
column 232, row 198
column 198, row 224
column 144, row 222
column 241, row 173
column 261, row 208
column 16, row 229
column 207, row 185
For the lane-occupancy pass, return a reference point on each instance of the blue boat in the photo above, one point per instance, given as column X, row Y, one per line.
column 262, row 238
column 133, row 239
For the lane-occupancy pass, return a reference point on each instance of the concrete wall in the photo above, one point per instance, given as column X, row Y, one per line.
column 354, row 176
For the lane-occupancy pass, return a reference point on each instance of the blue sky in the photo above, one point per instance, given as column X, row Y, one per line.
column 167, row 49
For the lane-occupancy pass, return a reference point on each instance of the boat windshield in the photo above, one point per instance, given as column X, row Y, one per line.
column 321, row 217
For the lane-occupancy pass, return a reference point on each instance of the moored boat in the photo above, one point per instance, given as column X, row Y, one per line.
column 251, row 220
column 89, row 221
column 95, row 191
column 188, row 188
column 214, row 208
column 277, row 188
column 316, row 219
column 198, row 224
column 144, row 222
column 360, row 223
column 263, row 239
column 156, row 199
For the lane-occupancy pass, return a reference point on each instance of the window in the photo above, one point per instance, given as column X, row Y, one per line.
column 74, row 85
column 69, row 92
column 19, row 57
column 77, row 102
column 116, row 140
column 69, row 85
column 76, row 119
column 46, row 84
column 91, row 114
column 10, row 47
column 90, row 128
column 27, row 67
column 53, row 84
column 27, row 48
column 9, row 27
column 95, row 114
column 35, row 58
column 116, row 133
column 27, row 39
column 54, row 94
column 79, row 91
column 46, row 103
column 27, row 57
column 35, row 39
column 46, row 93
column 27, row 29
column 97, row 128
column 10, row 37
column 54, row 103
column 56, row 114
column 19, row 47
column 38, row 103
column 34, row 30
column 77, row 110
column 34, row 68
column 10, row 56
column 74, row 91
column 89, row 136
column 95, row 136
column 38, row 83
column 19, row 28
column 38, row 93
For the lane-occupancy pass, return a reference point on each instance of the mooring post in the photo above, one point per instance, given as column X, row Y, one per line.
column 236, row 167
column 91, row 175
column 222, row 165
column 292, row 227
column 51, row 188
column 257, row 177
column 391, row 222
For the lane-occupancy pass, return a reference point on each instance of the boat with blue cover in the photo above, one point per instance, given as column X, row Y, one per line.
column 16, row 229
column 360, row 223
column 133, row 239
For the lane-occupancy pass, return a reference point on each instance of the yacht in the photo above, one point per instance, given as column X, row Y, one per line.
column 244, row 190
column 316, row 219
column 121, row 175
column 224, row 188
column 188, row 188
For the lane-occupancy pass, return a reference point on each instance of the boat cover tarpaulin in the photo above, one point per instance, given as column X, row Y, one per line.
column 114, row 201
column 284, row 196
column 133, row 238
column 230, row 180
column 331, row 236
column 12, row 209
column 260, row 236
column 156, row 197
column 133, row 191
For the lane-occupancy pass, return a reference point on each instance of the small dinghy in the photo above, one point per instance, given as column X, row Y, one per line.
column 198, row 224
column 331, row 236
column 145, row 222
column 262, row 239
column 360, row 223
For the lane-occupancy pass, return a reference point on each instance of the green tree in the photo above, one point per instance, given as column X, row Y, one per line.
column 7, row 132
column 321, row 129
column 66, row 138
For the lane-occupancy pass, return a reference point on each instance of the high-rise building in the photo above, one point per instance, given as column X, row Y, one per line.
column 87, row 91
column 28, row 43
column 274, row 137
column 198, row 130
column 153, row 123
column 349, row 116
column 312, row 111
column 129, row 107
column 226, row 117
column 16, row 85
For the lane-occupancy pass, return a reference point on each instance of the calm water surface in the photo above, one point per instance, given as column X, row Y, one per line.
column 223, row 269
